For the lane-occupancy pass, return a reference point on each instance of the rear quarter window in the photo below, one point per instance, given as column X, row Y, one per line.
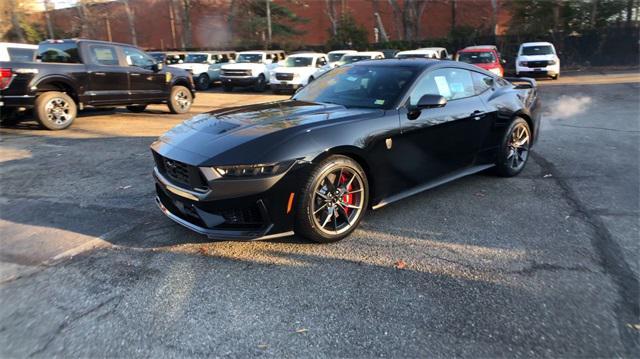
column 66, row 53
column 21, row 55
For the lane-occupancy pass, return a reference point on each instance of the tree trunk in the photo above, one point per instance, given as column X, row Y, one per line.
column 47, row 15
column 419, row 11
column 132, row 25
column 15, row 21
column 629, row 12
column 594, row 12
column 330, row 10
column 494, row 16
column 83, row 15
column 398, row 19
column 186, row 23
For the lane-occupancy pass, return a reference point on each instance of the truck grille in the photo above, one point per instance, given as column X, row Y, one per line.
column 235, row 72
column 180, row 173
column 542, row 63
column 284, row 76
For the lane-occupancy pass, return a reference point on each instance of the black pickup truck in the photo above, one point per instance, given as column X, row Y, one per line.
column 69, row 75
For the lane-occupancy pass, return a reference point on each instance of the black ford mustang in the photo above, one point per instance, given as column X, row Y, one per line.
column 361, row 136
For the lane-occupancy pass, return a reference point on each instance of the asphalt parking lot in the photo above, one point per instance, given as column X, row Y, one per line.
column 544, row 264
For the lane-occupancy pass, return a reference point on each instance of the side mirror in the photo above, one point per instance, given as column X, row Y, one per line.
column 431, row 101
column 158, row 66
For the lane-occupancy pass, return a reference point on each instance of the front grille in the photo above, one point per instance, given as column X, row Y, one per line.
column 538, row 63
column 284, row 76
column 235, row 72
column 180, row 173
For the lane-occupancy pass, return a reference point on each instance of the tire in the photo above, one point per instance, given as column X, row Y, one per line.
column 314, row 218
column 310, row 80
column 514, row 149
column 261, row 84
column 557, row 76
column 180, row 100
column 136, row 108
column 203, row 82
column 227, row 88
column 55, row 110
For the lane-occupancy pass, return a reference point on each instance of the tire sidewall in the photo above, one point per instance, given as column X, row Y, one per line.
column 41, row 113
column 502, row 165
column 173, row 104
column 305, row 223
column 262, row 83
column 202, row 85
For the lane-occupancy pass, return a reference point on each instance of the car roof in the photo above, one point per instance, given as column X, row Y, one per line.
column 540, row 43
column 307, row 54
column 410, row 62
column 366, row 53
column 432, row 48
column 61, row 41
column 343, row 51
column 417, row 52
column 261, row 52
column 17, row 45
column 480, row 48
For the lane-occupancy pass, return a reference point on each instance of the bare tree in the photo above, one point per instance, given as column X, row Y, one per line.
column 15, row 21
column 186, row 22
column 408, row 17
column 84, row 17
column 330, row 10
column 594, row 12
column 47, row 16
column 130, row 19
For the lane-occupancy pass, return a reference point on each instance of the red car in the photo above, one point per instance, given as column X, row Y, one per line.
column 485, row 56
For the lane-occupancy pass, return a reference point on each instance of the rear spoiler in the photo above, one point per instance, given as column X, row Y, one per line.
column 522, row 82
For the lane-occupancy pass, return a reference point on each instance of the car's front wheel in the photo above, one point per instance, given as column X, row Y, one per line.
column 203, row 82
column 261, row 83
column 333, row 200
column 180, row 100
column 514, row 150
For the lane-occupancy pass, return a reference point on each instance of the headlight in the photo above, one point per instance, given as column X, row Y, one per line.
column 551, row 62
column 257, row 170
column 523, row 63
column 496, row 71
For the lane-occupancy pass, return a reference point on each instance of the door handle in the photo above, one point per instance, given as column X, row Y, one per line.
column 99, row 73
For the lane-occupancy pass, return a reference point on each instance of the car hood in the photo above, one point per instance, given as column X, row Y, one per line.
column 246, row 134
column 490, row 66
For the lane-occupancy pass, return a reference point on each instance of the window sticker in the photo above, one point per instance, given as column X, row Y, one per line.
column 443, row 86
column 351, row 78
column 379, row 102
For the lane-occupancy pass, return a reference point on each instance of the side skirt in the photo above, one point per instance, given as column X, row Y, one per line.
column 429, row 185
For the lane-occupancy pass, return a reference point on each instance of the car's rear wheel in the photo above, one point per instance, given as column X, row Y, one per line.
column 203, row 82
column 55, row 110
column 180, row 99
column 136, row 108
column 334, row 200
column 514, row 150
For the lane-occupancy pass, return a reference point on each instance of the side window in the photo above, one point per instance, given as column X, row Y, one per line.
column 450, row 83
column 65, row 52
column 321, row 62
column 481, row 82
column 21, row 55
column 137, row 58
column 103, row 55
column 223, row 59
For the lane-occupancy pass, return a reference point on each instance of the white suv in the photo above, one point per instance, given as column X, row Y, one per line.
column 336, row 55
column 297, row 71
column 205, row 66
column 252, row 68
column 538, row 58
column 17, row 52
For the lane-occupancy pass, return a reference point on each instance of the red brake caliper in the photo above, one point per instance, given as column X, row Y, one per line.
column 346, row 198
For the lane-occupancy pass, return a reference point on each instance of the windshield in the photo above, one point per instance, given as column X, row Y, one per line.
column 298, row 61
column 255, row 58
column 537, row 50
column 196, row 58
column 158, row 56
column 336, row 56
column 410, row 56
column 477, row 57
column 347, row 59
column 360, row 86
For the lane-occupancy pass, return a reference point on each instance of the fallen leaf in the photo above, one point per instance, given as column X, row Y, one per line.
column 400, row 264
column 125, row 187
column 263, row 346
column 634, row 326
column 301, row 330
column 547, row 175
column 480, row 194
column 202, row 250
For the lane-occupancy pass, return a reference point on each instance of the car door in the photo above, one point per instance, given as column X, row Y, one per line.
column 145, row 84
column 108, row 80
column 439, row 141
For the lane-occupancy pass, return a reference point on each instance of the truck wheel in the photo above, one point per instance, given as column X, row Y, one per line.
column 180, row 100
column 227, row 88
column 261, row 83
column 55, row 110
column 203, row 82
column 136, row 108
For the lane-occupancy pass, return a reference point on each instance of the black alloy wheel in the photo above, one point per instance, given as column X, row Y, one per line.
column 516, row 144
